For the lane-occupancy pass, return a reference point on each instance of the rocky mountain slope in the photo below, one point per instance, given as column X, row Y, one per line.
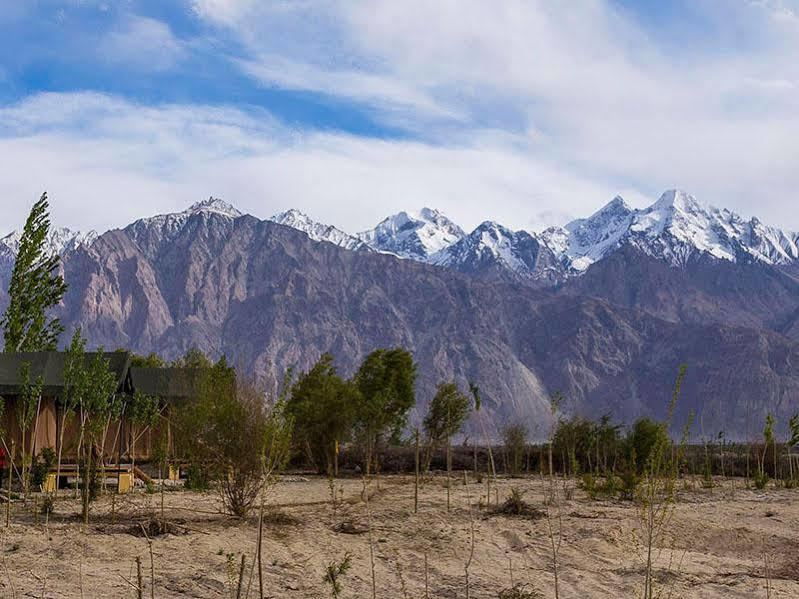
column 495, row 307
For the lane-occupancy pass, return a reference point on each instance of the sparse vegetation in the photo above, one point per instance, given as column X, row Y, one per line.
column 520, row 591
column 515, row 505
column 335, row 574
column 239, row 437
column 514, row 441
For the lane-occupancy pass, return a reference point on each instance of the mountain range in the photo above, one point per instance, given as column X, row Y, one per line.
column 603, row 309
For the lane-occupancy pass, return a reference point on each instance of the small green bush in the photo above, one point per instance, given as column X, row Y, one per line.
column 196, row 478
column 761, row 480
column 629, row 483
column 335, row 573
column 41, row 466
column 590, row 485
column 611, row 485
column 47, row 506
column 644, row 435
column 93, row 477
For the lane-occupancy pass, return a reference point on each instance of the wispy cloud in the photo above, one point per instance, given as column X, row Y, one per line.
column 525, row 110
column 142, row 43
column 92, row 151
column 606, row 97
column 393, row 98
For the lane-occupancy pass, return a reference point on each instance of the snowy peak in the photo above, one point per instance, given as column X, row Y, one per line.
column 214, row 205
column 492, row 248
column 152, row 232
column 210, row 206
column 584, row 241
column 414, row 235
column 59, row 241
column 317, row 231
column 676, row 228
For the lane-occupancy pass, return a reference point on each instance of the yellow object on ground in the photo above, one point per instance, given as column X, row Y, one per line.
column 125, row 482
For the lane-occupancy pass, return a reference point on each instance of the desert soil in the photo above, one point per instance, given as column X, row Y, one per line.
column 725, row 542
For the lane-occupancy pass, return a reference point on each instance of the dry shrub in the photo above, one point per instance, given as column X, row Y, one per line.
column 240, row 437
column 351, row 527
column 515, row 505
column 155, row 528
column 520, row 591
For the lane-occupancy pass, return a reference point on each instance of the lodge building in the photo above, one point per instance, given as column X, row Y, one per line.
column 123, row 441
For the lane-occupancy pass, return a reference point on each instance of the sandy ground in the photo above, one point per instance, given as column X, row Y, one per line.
column 720, row 541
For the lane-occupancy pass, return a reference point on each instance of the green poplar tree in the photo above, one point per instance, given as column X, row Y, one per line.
column 97, row 403
column 35, row 287
column 75, row 384
column 386, row 381
column 27, row 411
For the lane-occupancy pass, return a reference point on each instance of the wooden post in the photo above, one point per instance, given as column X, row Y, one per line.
column 260, row 546
column 8, row 484
column 416, row 475
column 449, row 482
column 140, row 588
column 426, row 585
column 488, row 490
column 241, row 577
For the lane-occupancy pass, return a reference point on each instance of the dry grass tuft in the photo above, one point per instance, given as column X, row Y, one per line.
column 515, row 505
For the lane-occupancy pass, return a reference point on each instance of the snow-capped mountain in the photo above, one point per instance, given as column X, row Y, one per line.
column 150, row 232
column 59, row 240
column 176, row 220
column 317, row 231
column 414, row 235
column 584, row 241
column 675, row 228
column 492, row 249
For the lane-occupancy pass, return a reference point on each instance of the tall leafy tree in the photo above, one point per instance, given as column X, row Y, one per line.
column 447, row 413
column 385, row 381
column 27, row 412
column 143, row 410
column 322, row 406
column 97, row 404
column 35, row 287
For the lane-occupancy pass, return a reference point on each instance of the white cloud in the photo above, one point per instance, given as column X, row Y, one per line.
column 223, row 11
column 142, row 43
column 523, row 111
column 106, row 161
column 607, row 99
column 387, row 94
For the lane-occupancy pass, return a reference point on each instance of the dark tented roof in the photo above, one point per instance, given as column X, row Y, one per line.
column 167, row 383
column 50, row 366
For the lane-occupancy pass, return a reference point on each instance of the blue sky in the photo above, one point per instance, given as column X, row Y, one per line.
column 525, row 111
